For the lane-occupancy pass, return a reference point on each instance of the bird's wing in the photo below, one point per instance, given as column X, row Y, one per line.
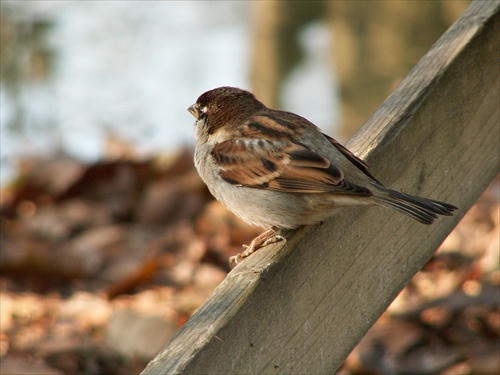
column 281, row 165
column 360, row 164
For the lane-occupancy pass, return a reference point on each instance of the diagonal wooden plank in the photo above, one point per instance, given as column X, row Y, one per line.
column 302, row 306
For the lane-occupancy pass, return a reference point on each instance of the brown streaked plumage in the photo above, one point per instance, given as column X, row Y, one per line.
column 275, row 169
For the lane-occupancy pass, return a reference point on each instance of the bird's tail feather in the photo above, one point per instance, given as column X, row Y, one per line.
column 421, row 209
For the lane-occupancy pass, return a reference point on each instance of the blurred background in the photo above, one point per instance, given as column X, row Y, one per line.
column 77, row 73
column 109, row 239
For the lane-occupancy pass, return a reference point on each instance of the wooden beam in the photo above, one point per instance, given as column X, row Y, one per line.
column 302, row 306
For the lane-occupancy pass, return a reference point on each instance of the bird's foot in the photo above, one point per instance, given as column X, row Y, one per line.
column 266, row 238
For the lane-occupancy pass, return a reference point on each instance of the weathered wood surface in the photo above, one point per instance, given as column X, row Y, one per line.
column 302, row 306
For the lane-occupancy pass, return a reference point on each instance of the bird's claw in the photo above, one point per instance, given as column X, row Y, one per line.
column 267, row 238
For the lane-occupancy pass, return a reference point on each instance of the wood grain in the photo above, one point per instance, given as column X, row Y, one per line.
column 302, row 306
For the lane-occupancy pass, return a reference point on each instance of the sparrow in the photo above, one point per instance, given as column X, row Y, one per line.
column 277, row 170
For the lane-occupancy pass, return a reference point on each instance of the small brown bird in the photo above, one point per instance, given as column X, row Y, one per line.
column 277, row 170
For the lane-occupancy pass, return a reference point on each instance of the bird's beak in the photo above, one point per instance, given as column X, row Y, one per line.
column 194, row 110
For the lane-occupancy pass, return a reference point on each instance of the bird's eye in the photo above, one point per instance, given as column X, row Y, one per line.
column 203, row 110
